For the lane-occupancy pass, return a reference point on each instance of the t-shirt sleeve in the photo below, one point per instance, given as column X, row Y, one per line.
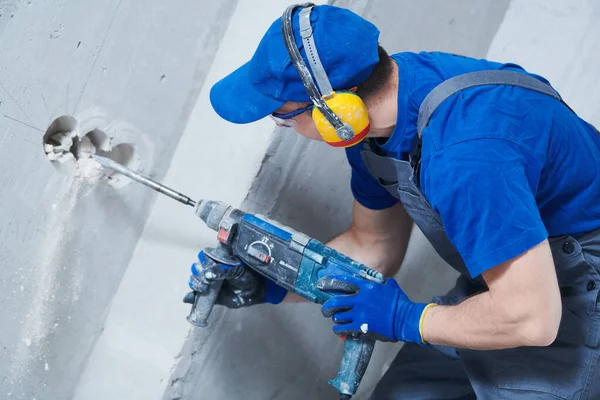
column 484, row 191
column 365, row 188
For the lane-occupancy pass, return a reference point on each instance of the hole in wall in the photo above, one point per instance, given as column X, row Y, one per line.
column 125, row 154
column 99, row 139
column 63, row 142
column 58, row 140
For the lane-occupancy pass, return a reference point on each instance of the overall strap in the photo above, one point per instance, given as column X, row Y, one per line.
column 478, row 78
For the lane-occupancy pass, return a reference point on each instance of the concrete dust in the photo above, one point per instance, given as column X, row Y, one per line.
column 58, row 279
column 48, row 292
column 88, row 171
column 85, row 148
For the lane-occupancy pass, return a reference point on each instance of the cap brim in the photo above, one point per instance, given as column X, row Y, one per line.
column 237, row 101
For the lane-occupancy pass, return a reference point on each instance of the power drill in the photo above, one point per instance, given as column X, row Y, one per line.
column 287, row 257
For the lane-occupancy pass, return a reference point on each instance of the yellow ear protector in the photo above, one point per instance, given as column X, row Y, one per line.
column 341, row 117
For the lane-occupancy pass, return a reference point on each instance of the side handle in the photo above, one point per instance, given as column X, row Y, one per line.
column 357, row 354
column 205, row 300
column 203, row 304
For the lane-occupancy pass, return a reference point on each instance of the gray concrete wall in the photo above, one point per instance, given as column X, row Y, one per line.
column 288, row 351
column 65, row 242
column 146, row 327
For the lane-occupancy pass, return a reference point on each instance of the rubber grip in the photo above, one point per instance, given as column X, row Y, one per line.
column 357, row 354
column 203, row 304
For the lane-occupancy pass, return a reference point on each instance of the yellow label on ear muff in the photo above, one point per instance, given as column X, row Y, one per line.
column 350, row 108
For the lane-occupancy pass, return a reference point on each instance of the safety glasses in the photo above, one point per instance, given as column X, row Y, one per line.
column 287, row 119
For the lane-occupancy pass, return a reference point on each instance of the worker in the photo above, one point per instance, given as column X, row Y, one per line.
column 490, row 163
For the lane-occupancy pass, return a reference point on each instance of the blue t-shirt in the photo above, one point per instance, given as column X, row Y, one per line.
column 505, row 167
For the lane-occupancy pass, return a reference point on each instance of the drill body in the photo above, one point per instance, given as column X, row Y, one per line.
column 288, row 258
column 293, row 261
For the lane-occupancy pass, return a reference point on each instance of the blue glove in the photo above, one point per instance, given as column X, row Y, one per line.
column 242, row 286
column 379, row 311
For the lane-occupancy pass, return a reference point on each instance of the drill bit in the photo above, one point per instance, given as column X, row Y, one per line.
column 136, row 176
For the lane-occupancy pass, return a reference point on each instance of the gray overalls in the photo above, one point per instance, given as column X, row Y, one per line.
column 568, row 369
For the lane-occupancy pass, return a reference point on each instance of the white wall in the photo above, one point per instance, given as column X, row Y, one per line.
column 559, row 40
column 65, row 242
column 146, row 327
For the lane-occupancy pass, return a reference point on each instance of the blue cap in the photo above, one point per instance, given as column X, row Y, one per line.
column 347, row 47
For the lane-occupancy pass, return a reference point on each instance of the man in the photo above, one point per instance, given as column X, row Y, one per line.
column 499, row 174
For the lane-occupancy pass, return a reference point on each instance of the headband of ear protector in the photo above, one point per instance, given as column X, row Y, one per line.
column 340, row 117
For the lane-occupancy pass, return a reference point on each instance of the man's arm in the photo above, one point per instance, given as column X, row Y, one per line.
column 375, row 238
column 484, row 191
column 521, row 308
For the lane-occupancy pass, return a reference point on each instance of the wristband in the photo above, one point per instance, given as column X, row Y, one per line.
column 427, row 307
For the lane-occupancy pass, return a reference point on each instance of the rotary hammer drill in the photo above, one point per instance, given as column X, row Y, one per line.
column 291, row 259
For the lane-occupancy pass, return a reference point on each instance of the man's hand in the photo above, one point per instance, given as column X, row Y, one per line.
column 380, row 311
column 241, row 287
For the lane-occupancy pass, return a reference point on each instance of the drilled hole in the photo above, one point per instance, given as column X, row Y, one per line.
column 62, row 142
column 125, row 154
column 99, row 139
column 60, row 139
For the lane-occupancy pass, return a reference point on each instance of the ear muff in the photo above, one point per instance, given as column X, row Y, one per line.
column 340, row 117
column 350, row 108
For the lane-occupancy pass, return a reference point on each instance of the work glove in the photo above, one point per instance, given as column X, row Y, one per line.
column 380, row 311
column 242, row 286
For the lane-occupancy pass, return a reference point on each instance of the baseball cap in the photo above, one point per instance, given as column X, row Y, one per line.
column 347, row 47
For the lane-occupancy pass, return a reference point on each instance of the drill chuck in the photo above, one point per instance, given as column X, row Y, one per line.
column 211, row 212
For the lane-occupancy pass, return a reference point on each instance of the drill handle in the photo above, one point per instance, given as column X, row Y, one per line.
column 214, row 258
column 203, row 304
column 354, row 363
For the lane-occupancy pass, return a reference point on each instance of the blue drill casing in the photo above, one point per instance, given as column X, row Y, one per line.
column 318, row 261
column 297, row 262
